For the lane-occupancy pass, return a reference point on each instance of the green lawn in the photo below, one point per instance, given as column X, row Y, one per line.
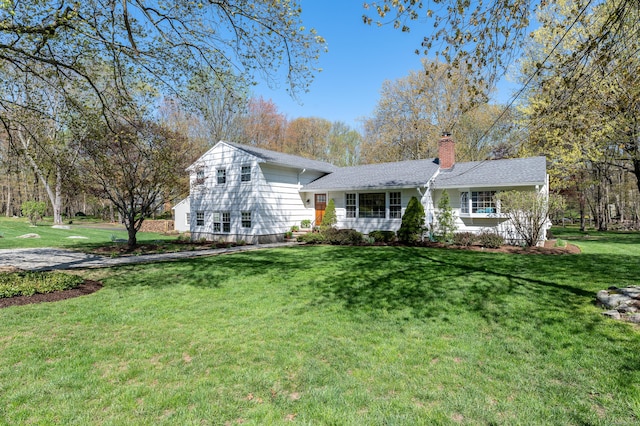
column 331, row 335
column 94, row 234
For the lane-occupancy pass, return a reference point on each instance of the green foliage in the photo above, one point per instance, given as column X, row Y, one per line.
column 464, row 239
column 305, row 223
column 34, row 210
column 330, row 218
column 30, row 283
column 490, row 239
column 412, row 226
column 383, row 236
column 528, row 212
column 295, row 228
column 343, row 236
column 445, row 219
column 312, row 238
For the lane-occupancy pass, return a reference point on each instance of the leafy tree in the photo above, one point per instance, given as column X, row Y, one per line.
column 445, row 219
column 136, row 169
column 412, row 226
column 413, row 112
column 330, row 218
column 263, row 125
column 344, row 145
column 529, row 212
column 308, row 137
column 93, row 41
column 485, row 37
column 34, row 210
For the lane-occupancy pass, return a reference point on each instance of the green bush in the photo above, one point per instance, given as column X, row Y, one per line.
column 330, row 218
column 30, row 283
column 295, row 228
column 305, row 224
column 412, row 226
column 343, row 236
column 383, row 236
column 464, row 239
column 312, row 238
column 445, row 220
column 34, row 210
column 490, row 239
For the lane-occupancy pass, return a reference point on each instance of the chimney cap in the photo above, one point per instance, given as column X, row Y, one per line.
column 446, row 134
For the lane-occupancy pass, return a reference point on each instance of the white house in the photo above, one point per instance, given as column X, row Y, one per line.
column 241, row 192
column 182, row 216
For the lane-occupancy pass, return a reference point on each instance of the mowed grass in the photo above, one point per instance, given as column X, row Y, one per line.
column 330, row 335
column 94, row 234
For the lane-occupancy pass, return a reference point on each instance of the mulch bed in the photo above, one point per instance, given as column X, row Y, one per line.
column 87, row 287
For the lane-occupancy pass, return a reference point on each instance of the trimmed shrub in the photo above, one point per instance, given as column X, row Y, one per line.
column 412, row 227
column 383, row 236
column 343, row 236
column 464, row 239
column 30, row 283
column 330, row 218
column 490, row 240
column 312, row 238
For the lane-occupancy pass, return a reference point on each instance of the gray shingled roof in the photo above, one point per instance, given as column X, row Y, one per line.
column 285, row 159
column 403, row 174
column 495, row 173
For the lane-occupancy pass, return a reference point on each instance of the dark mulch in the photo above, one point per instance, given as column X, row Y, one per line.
column 87, row 287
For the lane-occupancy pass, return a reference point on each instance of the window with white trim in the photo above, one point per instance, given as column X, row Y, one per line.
column 480, row 202
column 350, row 205
column 226, row 222
column 395, row 205
column 245, row 174
column 371, row 205
column 464, row 202
column 221, row 175
column 217, row 222
column 246, row 219
column 200, row 176
column 187, row 218
column 199, row 218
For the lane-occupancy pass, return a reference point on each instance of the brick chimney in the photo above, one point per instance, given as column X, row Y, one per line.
column 446, row 151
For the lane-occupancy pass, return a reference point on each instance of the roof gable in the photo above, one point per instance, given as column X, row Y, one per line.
column 282, row 159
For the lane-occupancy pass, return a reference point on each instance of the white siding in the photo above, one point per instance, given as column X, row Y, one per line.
column 366, row 225
column 180, row 212
column 272, row 196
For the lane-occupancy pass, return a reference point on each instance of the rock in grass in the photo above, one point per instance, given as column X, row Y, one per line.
column 29, row 236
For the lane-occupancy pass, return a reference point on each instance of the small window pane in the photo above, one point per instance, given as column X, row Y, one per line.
column 464, row 202
column 246, row 219
column 350, row 205
column 483, row 202
column 222, row 175
column 226, row 222
column 395, row 205
column 199, row 218
column 245, row 174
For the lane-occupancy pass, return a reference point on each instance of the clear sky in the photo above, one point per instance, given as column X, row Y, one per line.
column 359, row 60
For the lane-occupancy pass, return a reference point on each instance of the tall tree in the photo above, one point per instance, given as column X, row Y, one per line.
column 484, row 37
column 264, row 125
column 308, row 137
column 414, row 111
column 137, row 169
column 160, row 43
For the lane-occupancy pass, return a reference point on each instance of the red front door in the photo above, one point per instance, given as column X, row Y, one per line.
column 321, row 206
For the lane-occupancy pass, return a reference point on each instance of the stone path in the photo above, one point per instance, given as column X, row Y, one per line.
column 46, row 259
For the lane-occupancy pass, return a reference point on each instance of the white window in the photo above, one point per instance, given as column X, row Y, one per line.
column 221, row 176
column 246, row 219
column 200, row 176
column 217, row 221
column 395, row 205
column 464, row 202
column 350, row 204
column 187, row 218
column 226, row 222
column 199, row 218
column 245, row 174
column 480, row 202
column 372, row 205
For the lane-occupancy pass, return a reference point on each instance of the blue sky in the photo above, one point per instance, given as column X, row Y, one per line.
column 359, row 60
